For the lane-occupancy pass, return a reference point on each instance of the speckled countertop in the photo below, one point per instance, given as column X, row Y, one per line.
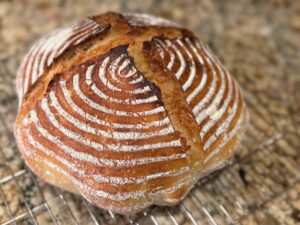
column 258, row 41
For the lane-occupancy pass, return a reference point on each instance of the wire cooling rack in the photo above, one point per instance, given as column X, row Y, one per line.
column 266, row 166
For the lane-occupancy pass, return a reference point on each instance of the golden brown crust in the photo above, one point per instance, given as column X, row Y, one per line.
column 118, row 116
column 219, row 94
column 117, row 32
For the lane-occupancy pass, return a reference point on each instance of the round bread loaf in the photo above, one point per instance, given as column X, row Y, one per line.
column 127, row 110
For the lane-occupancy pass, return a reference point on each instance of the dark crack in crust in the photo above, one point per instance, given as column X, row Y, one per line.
column 119, row 50
column 66, row 57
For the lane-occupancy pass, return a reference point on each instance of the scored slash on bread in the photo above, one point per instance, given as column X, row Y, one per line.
column 210, row 92
column 42, row 54
column 126, row 110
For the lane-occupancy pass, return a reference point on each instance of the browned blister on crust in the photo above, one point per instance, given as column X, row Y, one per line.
column 126, row 110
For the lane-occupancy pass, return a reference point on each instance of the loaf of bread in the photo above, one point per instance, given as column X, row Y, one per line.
column 127, row 110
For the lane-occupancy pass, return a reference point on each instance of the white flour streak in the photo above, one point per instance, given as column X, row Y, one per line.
column 143, row 100
column 225, row 140
column 125, row 63
column 168, row 173
column 62, row 39
column 211, row 109
column 225, row 124
column 182, row 67
column 100, row 161
column 127, row 101
column 218, row 114
column 98, row 92
column 195, row 50
column 38, row 66
column 209, row 142
column 202, row 83
column 225, row 80
column 133, row 180
column 137, row 19
column 199, row 106
column 171, row 54
column 90, row 102
column 102, row 76
column 113, row 67
column 34, row 51
column 77, row 137
column 137, row 80
column 43, row 53
column 104, row 109
column 192, row 67
column 53, row 43
column 95, row 29
column 127, row 135
column 103, row 178
column 132, row 148
column 120, row 196
column 88, row 75
column 80, row 35
column 131, row 72
column 210, row 92
column 77, row 109
column 32, row 55
column 157, row 110
column 73, row 167
column 97, row 120
column 91, row 194
column 141, row 90
column 56, row 141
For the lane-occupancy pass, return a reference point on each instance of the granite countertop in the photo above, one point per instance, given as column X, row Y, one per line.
column 258, row 41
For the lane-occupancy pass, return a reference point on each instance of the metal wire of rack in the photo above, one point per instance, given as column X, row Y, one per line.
column 225, row 197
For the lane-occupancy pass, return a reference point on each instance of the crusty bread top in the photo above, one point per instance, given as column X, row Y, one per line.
column 131, row 110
